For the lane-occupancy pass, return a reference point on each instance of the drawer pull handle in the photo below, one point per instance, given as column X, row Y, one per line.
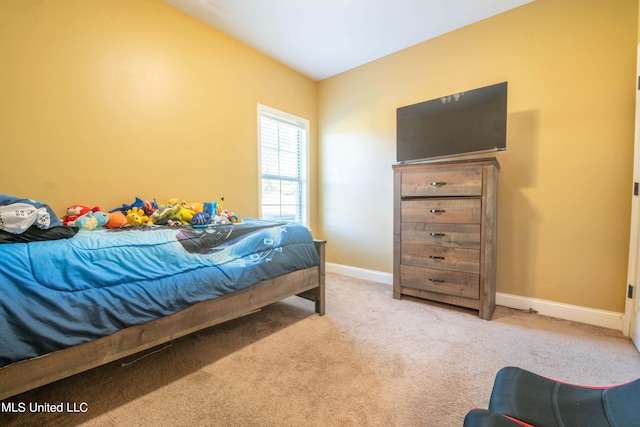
column 437, row 234
column 437, row 211
column 436, row 280
column 436, row 257
column 438, row 183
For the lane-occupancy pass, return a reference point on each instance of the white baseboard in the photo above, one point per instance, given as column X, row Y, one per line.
column 360, row 273
column 576, row 313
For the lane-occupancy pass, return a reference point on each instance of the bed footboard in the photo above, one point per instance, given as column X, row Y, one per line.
column 29, row 374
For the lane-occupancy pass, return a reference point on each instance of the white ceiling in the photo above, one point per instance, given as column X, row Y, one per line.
column 321, row 38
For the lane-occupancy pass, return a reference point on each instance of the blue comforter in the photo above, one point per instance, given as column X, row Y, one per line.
column 60, row 293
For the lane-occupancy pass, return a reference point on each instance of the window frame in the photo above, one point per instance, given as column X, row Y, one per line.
column 303, row 157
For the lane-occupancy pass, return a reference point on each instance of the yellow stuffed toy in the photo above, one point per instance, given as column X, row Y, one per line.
column 136, row 217
column 185, row 215
column 195, row 207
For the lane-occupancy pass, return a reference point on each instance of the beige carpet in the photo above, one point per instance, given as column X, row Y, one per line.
column 371, row 361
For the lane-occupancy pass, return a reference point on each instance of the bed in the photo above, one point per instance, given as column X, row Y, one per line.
column 71, row 304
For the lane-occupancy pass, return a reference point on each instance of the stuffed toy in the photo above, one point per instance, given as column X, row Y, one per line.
column 163, row 214
column 175, row 212
column 102, row 218
column 138, row 203
column 92, row 220
column 233, row 218
column 220, row 219
column 224, row 216
column 184, row 215
column 149, row 207
column 136, row 217
column 116, row 220
column 200, row 219
column 86, row 222
column 76, row 211
column 196, row 207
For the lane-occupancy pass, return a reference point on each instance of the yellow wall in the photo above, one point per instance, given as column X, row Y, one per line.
column 102, row 101
column 565, row 183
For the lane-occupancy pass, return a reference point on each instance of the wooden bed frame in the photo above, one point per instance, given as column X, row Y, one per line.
column 32, row 373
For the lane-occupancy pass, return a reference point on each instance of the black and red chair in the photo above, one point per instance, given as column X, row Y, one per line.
column 522, row 398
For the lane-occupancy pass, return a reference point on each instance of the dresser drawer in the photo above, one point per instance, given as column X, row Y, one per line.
column 467, row 210
column 435, row 234
column 441, row 257
column 441, row 281
column 449, row 182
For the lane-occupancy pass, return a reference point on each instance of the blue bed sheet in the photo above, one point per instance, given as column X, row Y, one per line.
column 60, row 293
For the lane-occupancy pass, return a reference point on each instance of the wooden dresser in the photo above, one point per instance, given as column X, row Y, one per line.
column 444, row 232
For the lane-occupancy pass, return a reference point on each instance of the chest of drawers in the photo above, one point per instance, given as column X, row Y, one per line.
column 444, row 243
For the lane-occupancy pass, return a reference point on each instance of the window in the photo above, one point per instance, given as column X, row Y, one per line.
column 283, row 166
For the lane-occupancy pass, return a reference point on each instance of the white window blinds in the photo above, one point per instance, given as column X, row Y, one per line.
column 283, row 163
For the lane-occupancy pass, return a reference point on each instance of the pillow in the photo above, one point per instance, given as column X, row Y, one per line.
column 17, row 215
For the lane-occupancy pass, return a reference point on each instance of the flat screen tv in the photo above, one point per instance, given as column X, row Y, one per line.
column 461, row 123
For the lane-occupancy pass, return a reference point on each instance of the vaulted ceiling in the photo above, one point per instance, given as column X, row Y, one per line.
column 321, row 38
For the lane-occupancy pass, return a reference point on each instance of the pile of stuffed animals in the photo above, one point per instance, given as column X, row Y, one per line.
column 143, row 213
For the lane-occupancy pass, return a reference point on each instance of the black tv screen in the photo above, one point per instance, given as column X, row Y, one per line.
column 456, row 124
